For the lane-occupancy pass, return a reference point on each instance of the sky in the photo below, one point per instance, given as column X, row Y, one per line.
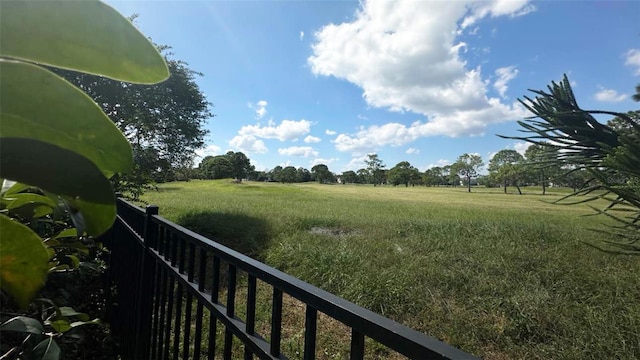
column 301, row 83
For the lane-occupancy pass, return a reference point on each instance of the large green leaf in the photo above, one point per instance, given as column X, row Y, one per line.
column 47, row 349
column 23, row 261
column 93, row 218
column 87, row 36
column 39, row 105
column 23, row 324
column 54, row 169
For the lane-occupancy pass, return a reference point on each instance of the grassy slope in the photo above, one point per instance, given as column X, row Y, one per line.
column 502, row 276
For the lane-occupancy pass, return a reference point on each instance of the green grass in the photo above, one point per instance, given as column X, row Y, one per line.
column 499, row 275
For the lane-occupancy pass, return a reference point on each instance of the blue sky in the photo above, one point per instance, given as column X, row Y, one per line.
column 306, row 82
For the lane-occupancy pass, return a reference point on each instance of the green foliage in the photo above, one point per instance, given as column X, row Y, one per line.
column 467, row 166
column 375, row 167
column 506, row 166
column 59, row 146
column 322, row 174
column 403, row 173
column 610, row 155
column 163, row 122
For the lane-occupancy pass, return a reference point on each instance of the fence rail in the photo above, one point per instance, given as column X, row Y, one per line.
column 174, row 287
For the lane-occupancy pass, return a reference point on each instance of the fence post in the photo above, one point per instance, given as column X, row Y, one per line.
column 146, row 286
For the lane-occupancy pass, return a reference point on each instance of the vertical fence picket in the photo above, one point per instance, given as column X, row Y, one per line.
column 310, row 328
column 231, row 309
column 357, row 345
column 276, row 322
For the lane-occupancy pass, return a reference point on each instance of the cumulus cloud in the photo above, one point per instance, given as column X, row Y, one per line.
column 318, row 161
column 301, row 35
column 248, row 144
column 312, row 139
column 405, row 56
column 439, row 163
column 504, row 74
column 330, row 132
column 287, row 130
column 521, row 147
column 260, row 108
column 301, row 151
column 357, row 162
column 609, row 95
column 209, row 150
column 413, row 151
column 632, row 58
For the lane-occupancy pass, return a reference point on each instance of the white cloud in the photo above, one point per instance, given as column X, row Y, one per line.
column 318, row 161
column 356, row 163
column 456, row 123
column 260, row 108
column 312, row 139
column 330, row 132
column 609, row 95
column 288, row 130
column 248, row 144
column 504, row 74
column 439, row 163
column 301, row 35
column 413, row 151
column 632, row 58
column 521, row 147
column 405, row 56
column 209, row 150
column 302, row 151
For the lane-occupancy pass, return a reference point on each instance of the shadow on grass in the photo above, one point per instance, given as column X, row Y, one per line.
column 245, row 234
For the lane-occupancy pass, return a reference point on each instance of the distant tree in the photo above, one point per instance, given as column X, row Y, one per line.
column 621, row 125
column 375, row 167
column 349, row 177
column 541, row 160
column 303, row 175
column 289, row 175
column 402, row 173
column 274, row 174
column 240, row 164
column 216, row 167
column 321, row 173
column 636, row 96
column 467, row 166
column 363, row 176
column 506, row 166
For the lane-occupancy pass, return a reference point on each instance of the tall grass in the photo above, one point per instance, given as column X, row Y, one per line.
column 500, row 276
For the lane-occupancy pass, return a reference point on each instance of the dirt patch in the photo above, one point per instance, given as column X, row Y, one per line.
column 319, row 230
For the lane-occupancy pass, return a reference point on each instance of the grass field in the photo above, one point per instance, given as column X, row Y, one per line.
column 502, row 276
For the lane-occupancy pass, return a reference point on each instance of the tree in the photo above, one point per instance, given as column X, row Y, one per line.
column 375, row 167
column 274, row 174
column 349, row 177
column 289, row 175
column 402, row 173
column 321, row 173
column 506, row 166
column 363, row 176
column 164, row 122
column 240, row 165
column 303, row 175
column 636, row 96
column 541, row 159
column 216, row 167
column 606, row 153
column 467, row 166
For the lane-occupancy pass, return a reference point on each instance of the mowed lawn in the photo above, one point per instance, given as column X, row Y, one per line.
column 503, row 276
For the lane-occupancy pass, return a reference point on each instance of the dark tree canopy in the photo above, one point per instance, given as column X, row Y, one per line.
column 164, row 122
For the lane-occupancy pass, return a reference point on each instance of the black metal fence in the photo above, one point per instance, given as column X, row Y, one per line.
column 179, row 295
